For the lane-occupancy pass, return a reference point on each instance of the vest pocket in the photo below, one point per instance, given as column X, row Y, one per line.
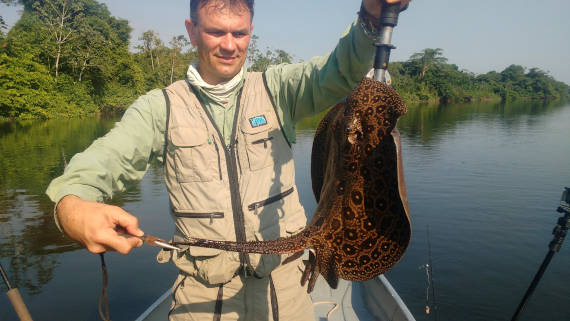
column 204, row 225
column 196, row 155
column 259, row 147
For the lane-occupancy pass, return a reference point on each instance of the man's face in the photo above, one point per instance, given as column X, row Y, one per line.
column 221, row 37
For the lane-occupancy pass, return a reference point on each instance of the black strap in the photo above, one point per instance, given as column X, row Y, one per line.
column 275, row 109
column 104, row 299
column 167, row 124
column 274, row 304
column 218, row 308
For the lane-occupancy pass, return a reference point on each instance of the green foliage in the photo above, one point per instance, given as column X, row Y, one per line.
column 259, row 61
column 428, row 59
column 161, row 65
column 85, row 53
column 28, row 91
column 427, row 76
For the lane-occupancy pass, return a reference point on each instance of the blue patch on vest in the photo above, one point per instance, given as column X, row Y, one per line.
column 258, row 121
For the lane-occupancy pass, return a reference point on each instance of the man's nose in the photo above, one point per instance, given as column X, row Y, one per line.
column 228, row 43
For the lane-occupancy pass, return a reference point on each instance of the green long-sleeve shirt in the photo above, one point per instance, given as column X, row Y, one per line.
column 299, row 90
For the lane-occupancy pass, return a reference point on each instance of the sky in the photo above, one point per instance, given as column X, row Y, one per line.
column 478, row 36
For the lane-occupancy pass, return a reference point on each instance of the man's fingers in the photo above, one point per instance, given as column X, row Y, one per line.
column 138, row 243
column 128, row 222
column 135, row 242
column 119, row 243
column 403, row 3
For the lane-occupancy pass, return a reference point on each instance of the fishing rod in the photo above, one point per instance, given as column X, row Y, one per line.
column 430, row 281
column 560, row 231
column 16, row 299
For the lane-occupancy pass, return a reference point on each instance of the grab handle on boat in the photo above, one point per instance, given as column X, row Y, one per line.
column 16, row 299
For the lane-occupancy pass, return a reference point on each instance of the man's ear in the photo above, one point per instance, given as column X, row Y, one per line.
column 191, row 29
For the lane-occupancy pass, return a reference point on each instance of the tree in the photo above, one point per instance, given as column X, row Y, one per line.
column 514, row 73
column 427, row 60
column 252, row 50
column 2, row 27
column 60, row 22
column 260, row 62
column 281, row 57
column 177, row 44
column 90, row 49
column 150, row 41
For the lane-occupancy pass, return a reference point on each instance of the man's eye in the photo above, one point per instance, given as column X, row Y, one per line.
column 216, row 33
column 239, row 34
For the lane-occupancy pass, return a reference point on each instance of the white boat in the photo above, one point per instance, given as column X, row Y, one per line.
column 373, row 300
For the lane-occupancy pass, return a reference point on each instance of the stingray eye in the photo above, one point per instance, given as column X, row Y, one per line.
column 353, row 130
column 352, row 139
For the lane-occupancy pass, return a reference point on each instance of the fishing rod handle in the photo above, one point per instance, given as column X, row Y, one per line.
column 388, row 20
column 390, row 13
column 19, row 305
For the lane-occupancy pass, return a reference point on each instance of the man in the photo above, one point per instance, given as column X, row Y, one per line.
column 225, row 136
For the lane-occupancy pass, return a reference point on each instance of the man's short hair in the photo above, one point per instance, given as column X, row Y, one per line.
column 196, row 4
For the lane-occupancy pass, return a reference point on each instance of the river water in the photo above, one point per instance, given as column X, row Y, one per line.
column 483, row 179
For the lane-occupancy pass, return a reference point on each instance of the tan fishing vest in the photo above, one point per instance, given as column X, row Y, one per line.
column 244, row 192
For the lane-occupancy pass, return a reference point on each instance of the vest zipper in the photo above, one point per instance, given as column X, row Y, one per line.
column 238, row 160
column 233, row 180
column 255, row 206
column 211, row 216
column 239, row 219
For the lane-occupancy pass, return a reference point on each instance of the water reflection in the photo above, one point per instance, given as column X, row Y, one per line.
column 426, row 123
column 32, row 153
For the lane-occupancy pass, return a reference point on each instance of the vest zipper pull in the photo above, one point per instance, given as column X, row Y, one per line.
column 255, row 208
column 211, row 218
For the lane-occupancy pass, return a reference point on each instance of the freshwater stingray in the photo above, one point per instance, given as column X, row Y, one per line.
column 361, row 227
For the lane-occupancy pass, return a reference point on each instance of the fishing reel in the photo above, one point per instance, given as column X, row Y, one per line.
column 561, row 229
column 565, row 201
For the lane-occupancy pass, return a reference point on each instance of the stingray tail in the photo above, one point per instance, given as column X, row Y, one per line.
column 280, row 245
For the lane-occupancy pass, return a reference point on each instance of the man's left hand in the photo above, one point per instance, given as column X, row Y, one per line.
column 374, row 7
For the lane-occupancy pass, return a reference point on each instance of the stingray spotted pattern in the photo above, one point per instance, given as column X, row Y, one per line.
column 361, row 227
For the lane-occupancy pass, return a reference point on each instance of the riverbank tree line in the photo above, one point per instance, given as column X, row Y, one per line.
column 68, row 58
